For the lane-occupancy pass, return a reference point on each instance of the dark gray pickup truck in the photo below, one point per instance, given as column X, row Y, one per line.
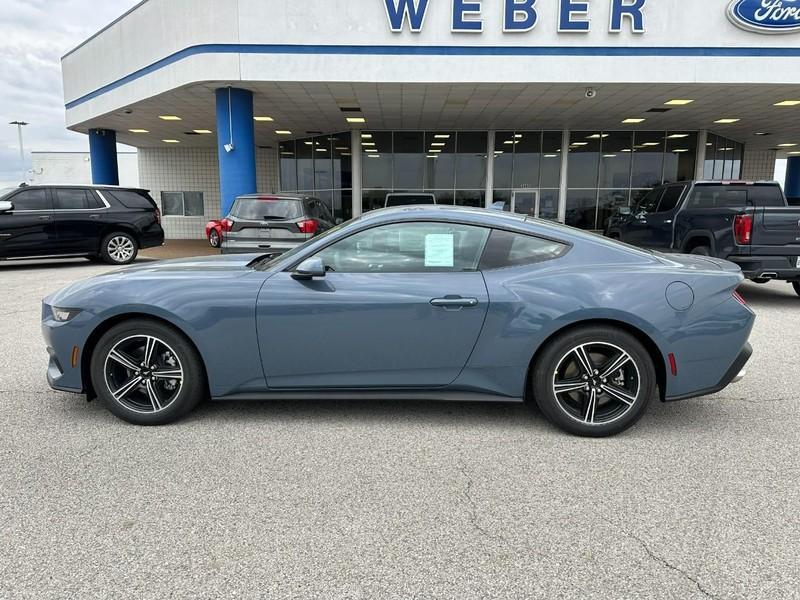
column 748, row 223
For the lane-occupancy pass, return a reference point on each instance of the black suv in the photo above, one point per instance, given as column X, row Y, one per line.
column 99, row 222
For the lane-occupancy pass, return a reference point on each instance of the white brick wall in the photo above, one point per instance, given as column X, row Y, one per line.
column 758, row 165
column 195, row 170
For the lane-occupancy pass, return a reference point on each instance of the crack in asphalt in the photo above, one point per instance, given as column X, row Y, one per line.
column 473, row 506
column 660, row 559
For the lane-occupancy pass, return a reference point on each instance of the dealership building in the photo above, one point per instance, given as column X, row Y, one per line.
column 564, row 109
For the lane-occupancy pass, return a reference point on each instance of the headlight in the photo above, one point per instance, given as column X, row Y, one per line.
column 63, row 315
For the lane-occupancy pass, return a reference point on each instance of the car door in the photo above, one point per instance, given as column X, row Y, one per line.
column 29, row 228
column 661, row 222
column 636, row 229
column 401, row 305
column 80, row 218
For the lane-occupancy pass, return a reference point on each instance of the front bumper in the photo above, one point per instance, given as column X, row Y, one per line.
column 734, row 374
column 61, row 338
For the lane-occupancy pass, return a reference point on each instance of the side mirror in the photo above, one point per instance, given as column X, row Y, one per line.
column 309, row 269
column 624, row 210
column 6, row 206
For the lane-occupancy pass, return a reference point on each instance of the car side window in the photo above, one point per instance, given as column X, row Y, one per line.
column 508, row 249
column 671, row 198
column 408, row 248
column 31, row 200
column 718, row 196
column 766, row 195
column 649, row 203
column 73, row 199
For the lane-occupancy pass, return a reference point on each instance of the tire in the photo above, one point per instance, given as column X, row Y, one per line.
column 119, row 248
column 633, row 383
column 701, row 251
column 213, row 238
column 154, row 399
column 796, row 286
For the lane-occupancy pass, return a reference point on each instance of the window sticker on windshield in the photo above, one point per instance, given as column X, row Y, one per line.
column 439, row 250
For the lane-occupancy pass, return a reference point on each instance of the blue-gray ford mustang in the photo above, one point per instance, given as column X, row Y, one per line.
column 416, row 302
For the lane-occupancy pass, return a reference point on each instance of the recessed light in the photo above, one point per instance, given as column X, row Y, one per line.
column 442, row 136
column 287, row 153
column 794, row 152
column 761, row 133
column 788, row 103
column 434, row 151
column 499, row 152
column 518, row 135
column 632, row 121
column 202, row 131
column 367, row 143
column 366, row 136
column 609, row 156
column 345, row 148
column 579, row 144
column 169, row 118
column 597, row 136
column 677, row 136
column 726, row 121
column 309, row 143
column 680, row 150
column 171, row 141
column 433, row 156
column 725, row 149
column 434, row 144
column 370, row 150
column 283, row 132
column 626, row 150
column 356, row 120
column 651, row 144
column 677, row 102
column 374, row 156
column 138, row 130
column 263, row 119
column 322, row 149
column 786, row 145
column 551, row 155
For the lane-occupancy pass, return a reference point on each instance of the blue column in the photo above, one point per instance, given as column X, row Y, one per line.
column 236, row 141
column 792, row 187
column 103, row 153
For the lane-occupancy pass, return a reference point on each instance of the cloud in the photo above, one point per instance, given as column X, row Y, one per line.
column 36, row 34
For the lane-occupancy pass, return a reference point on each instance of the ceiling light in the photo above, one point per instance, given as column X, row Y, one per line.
column 346, row 154
column 509, row 142
column 309, row 143
column 626, row 150
column 433, row 156
column 169, row 118
column 679, row 150
column 171, row 141
column 609, row 156
column 788, row 103
column 263, row 119
column 374, row 156
column 761, row 133
column 632, row 121
column 366, row 136
column 786, row 145
column 597, row 136
column 202, row 131
column 367, row 143
column 138, row 130
column 434, row 144
column 499, row 152
column 322, row 149
column 551, row 155
column 677, row 136
column 356, row 120
column 287, row 153
column 518, row 135
column 342, row 148
column 442, row 136
column 434, row 151
column 677, row 102
column 370, row 150
column 651, row 143
column 725, row 149
column 283, row 132
column 579, row 144
column 726, row 121
column 794, row 152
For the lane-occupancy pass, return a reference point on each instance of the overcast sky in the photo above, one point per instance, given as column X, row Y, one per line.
column 35, row 35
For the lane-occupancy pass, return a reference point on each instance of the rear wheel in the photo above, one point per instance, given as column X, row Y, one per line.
column 796, row 286
column 213, row 238
column 594, row 381
column 119, row 248
column 146, row 373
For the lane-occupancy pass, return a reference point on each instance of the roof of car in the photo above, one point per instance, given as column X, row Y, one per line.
column 90, row 186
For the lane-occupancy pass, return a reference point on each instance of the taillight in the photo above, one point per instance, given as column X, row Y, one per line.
column 743, row 229
column 738, row 297
column 309, row 226
column 158, row 216
column 226, row 225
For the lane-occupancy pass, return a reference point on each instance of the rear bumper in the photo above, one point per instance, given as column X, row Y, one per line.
column 735, row 373
column 153, row 237
column 251, row 247
column 776, row 267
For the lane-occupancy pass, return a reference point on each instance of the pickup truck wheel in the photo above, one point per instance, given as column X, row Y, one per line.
column 796, row 286
column 701, row 250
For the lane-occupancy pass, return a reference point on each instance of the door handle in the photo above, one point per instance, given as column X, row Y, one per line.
column 44, row 218
column 95, row 217
column 455, row 302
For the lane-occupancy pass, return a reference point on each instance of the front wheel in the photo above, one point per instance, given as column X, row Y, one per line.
column 147, row 373
column 594, row 381
column 796, row 286
column 119, row 249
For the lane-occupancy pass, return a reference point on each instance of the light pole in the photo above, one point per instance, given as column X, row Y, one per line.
column 20, row 125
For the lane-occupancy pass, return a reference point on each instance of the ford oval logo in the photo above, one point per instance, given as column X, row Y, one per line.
column 766, row 16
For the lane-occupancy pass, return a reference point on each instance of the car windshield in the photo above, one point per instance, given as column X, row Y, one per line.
column 272, row 209
column 271, row 260
column 409, row 200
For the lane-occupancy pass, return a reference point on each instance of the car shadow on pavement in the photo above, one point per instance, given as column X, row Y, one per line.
column 774, row 295
column 63, row 264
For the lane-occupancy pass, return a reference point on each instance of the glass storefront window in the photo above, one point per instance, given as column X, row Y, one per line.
column 377, row 160
column 409, row 160
column 584, row 159
column 548, row 204
column 527, row 157
column 615, row 160
column 648, row 159
column 288, row 165
column 473, row 198
column 440, row 160
column 551, row 160
column 504, row 143
column 305, row 164
column 471, row 160
column 681, row 156
column 608, row 201
column 323, row 164
column 342, row 160
column 582, row 208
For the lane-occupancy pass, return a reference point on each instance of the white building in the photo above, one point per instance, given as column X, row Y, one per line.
column 76, row 168
column 568, row 108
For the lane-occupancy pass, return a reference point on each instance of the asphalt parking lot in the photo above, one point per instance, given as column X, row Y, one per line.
column 357, row 500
